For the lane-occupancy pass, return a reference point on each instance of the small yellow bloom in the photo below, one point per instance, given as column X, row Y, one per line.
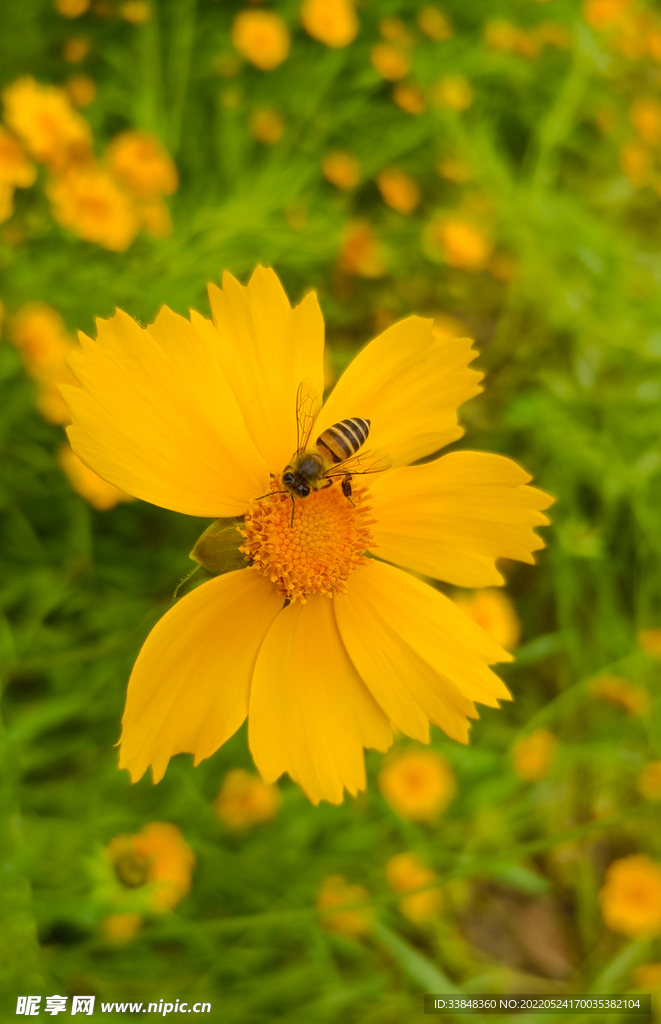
column 649, row 640
column 100, row 495
column 398, row 190
column 647, row 976
column 332, row 22
column 39, row 333
column 533, row 755
column 460, row 243
column 453, row 92
column 81, row 90
column 159, row 858
column 501, row 35
column 645, row 116
column 390, row 61
column 71, row 8
column 493, row 610
column 552, row 34
column 154, row 216
column 121, row 928
column 605, row 14
column 6, row 201
column 341, row 169
column 618, row 691
column 636, row 162
column 335, row 893
column 361, row 252
column 631, row 896
column 395, row 31
column 434, row 24
column 142, row 165
column 246, row 800
column 75, row 49
column 262, row 37
column 89, row 202
column 454, row 169
column 409, row 97
column 44, row 119
column 267, row 126
column 406, row 871
column 15, row 168
column 418, row 785
column 649, row 781
column 137, row 12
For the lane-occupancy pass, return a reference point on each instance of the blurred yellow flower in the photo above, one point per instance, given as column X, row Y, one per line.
column 636, row 162
column 409, row 97
column 336, row 893
column 333, row 22
column 88, row 201
column 395, row 31
column 154, row 216
column 418, row 785
column 647, row 976
column 398, row 190
column 390, row 61
column 493, row 610
column 159, row 858
column 649, row 640
column 44, row 119
column 246, row 800
column 501, row 35
column 618, row 691
column 649, row 781
column 451, row 91
column 142, row 165
column 137, row 12
column 75, row 49
column 553, row 34
column 361, row 252
column 454, row 169
column 71, row 8
column 267, row 126
column 406, row 871
column 194, row 415
column 262, row 37
column 533, row 755
column 6, row 201
column 120, row 928
column 81, row 90
column 341, row 169
column 39, row 333
column 460, row 243
column 602, row 14
column 99, row 494
column 631, row 896
column 15, row 168
column 645, row 116
column 434, row 23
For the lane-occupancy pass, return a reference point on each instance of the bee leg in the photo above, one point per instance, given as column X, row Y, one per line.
column 346, row 488
column 329, row 484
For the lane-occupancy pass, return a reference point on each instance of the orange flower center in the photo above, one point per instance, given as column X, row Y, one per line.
column 317, row 552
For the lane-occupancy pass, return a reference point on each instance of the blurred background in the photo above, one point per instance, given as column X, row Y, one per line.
column 494, row 165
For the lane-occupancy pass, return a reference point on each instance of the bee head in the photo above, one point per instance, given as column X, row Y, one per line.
column 297, row 487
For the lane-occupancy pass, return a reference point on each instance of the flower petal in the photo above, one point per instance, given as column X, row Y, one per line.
column 310, row 713
column 155, row 416
column 451, row 518
column 410, row 386
column 419, row 655
column 189, row 688
column 268, row 348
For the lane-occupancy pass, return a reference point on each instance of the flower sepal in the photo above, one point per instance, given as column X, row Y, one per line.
column 218, row 549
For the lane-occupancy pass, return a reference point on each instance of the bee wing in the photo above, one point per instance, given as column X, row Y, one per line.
column 367, row 462
column 308, row 404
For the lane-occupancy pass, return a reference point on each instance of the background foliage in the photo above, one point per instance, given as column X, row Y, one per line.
column 563, row 300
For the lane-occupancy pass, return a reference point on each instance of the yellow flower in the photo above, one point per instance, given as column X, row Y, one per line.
column 337, row 893
column 75, row 49
column 460, row 243
column 100, row 495
column 71, row 8
column 159, row 858
column 341, row 169
column 553, row 34
column 533, row 755
column 454, row 169
column 409, row 97
column 15, row 168
column 649, row 781
column 395, row 31
column 333, row 22
column 361, row 252
column 602, row 14
column 38, row 332
column 262, row 37
column 406, row 871
column 154, row 217
column 452, row 91
column 649, row 640
column 631, row 897
column 43, row 118
column 493, row 611
column 267, row 126
column 645, row 116
column 81, row 90
column 6, row 201
column 121, row 928
column 141, row 164
column 647, row 976
column 620, row 692
column 194, row 416
column 135, row 11
column 434, row 24
column 89, row 202
column 418, row 785
column 501, row 35
column 390, row 61
column 398, row 190
column 636, row 162
column 246, row 800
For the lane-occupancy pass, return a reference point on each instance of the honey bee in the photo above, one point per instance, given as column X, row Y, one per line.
column 333, row 455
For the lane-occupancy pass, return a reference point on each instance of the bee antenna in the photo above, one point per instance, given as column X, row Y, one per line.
column 269, row 493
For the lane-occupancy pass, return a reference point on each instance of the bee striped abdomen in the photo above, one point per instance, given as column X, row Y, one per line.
column 344, row 439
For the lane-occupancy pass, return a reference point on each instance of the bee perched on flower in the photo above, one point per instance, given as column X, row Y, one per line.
column 324, row 647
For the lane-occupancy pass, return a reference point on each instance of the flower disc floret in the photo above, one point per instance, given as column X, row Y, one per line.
column 318, row 551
